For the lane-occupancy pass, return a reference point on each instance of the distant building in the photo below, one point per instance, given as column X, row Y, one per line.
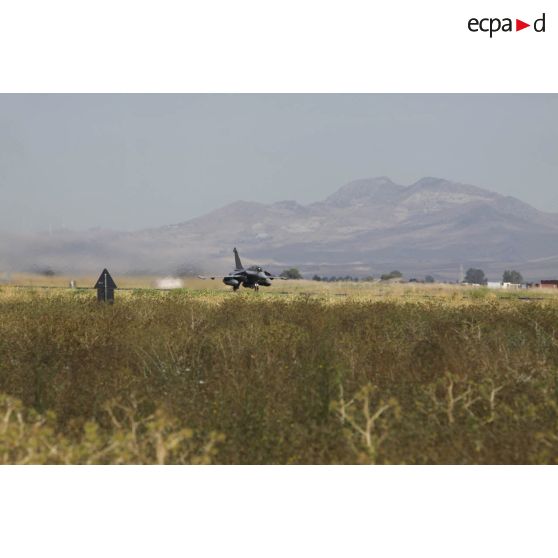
column 549, row 284
column 502, row 285
column 511, row 285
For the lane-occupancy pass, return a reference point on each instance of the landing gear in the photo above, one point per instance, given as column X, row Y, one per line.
column 256, row 287
column 236, row 287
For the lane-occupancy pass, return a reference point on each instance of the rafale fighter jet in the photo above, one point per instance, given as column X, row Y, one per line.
column 250, row 278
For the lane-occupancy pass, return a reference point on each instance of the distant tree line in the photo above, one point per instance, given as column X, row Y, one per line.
column 473, row 275
column 512, row 276
column 369, row 278
column 291, row 273
column 477, row 276
column 45, row 270
column 391, row 275
column 334, row 278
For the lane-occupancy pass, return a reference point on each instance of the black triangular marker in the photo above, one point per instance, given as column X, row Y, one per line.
column 105, row 276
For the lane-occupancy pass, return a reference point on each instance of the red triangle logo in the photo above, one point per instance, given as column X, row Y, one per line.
column 519, row 25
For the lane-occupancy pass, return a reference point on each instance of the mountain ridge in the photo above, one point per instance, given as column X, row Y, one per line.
column 364, row 227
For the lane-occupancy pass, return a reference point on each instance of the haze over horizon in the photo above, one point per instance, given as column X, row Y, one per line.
column 129, row 162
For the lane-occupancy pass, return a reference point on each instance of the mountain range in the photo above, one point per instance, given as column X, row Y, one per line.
column 367, row 227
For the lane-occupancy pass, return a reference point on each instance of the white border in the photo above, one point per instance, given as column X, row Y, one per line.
column 278, row 511
column 272, row 46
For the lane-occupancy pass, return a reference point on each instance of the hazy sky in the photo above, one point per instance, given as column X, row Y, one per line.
column 134, row 161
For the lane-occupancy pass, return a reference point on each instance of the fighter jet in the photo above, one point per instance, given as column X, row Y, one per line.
column 250, row 278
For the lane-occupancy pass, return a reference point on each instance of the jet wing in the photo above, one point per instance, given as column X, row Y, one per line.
column 269, row 276
column 220, row 276
column 212, row 277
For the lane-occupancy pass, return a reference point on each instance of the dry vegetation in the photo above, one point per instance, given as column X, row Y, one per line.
column 327, row 374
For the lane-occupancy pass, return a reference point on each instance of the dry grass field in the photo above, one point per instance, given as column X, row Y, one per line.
column 302, row 372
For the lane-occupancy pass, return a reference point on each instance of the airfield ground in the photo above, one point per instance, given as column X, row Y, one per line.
column 324, row 290
column 303, row 372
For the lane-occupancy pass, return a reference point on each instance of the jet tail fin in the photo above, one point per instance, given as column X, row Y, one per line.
column 237, row 262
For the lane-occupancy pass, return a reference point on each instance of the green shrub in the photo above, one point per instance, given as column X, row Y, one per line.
column 154, row 377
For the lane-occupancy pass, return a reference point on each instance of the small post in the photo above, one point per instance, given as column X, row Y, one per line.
column 105, row 286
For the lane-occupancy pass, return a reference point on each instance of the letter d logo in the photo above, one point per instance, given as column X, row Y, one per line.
column 539, row 25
